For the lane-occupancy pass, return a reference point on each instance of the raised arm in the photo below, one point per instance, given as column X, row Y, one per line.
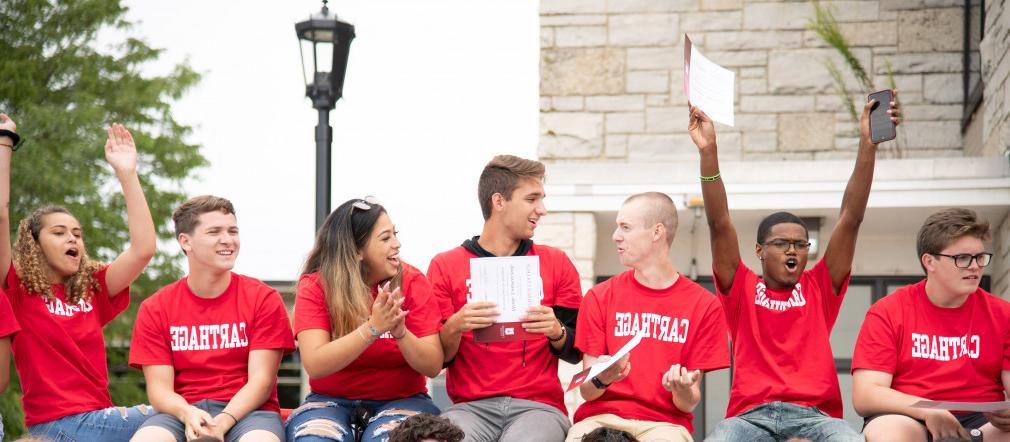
column 722, row 234
column 121, row 153
column 842, row 247
column 6, row 152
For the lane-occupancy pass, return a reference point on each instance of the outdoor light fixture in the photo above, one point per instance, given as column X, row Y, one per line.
column 325, row 44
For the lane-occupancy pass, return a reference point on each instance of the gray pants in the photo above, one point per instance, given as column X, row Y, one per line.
column 507, row 419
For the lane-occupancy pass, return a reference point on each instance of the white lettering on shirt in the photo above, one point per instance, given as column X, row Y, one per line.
column 945, row 348
column 659, row 327
column 208, row 337
column 57, row 307
column 795, row 300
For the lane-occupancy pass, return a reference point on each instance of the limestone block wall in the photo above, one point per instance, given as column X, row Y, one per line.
column 612, row 83
column 995, row 108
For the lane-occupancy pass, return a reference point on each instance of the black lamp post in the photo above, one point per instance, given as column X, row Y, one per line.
column 327, row 41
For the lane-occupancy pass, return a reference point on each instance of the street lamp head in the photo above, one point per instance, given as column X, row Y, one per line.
column 325, row 42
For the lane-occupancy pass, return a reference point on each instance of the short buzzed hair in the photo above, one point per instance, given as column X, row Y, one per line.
column 947, row 226
column 187, row 215
column 502, row 175
column 661, row 210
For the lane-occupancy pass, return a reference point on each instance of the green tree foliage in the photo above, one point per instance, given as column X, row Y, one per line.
column 63, row 90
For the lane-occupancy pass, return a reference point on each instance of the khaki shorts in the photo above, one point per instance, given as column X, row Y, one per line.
column 645, row 431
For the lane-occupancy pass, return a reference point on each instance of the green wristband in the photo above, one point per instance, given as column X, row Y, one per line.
column 709, row 179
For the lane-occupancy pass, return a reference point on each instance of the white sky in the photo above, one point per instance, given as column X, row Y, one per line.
column 433, row 90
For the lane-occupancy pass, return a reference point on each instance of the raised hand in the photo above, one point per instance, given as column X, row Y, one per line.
column 679, row 378
column 120, row 150
column 701, row 128
column 7, row 123
column 864, row 121
column 386, row 312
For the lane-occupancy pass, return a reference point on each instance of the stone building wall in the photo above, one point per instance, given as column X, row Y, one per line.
column 612, row 83
column 995, row 113
column 995, row 108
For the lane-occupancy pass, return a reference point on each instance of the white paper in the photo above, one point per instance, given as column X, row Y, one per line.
column 708, row 85
column 599, row 367
column 979, row 407
column 511, row 282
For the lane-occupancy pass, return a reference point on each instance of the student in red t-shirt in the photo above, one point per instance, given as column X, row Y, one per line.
column 508, row 391
column 210, row 343
column 367, row 327
column 8, row 327
column 784, row 379
column 684, row 333
column 62, row 299
column 942, row 339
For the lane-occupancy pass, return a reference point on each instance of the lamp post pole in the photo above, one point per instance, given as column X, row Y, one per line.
column 323, row 101
column 325, row 41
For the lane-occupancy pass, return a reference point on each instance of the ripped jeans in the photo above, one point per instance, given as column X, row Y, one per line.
column 113, row 424
column 324, row 418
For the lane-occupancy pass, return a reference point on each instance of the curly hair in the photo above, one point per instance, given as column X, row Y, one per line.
column 28, row 262
column 425, row 426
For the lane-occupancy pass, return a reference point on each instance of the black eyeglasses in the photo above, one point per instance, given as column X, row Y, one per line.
column 963, row 260
column 365, row 203
column 782, row 245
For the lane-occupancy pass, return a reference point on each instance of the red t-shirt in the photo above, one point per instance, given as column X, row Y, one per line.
column 8, row 323
column 943, row 354
column 207, row 341
column 60, row 352
column 380, row 373
column 781, row 345
column 684, row 324
column 520, row 369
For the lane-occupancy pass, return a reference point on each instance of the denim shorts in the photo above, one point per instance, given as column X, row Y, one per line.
column 257, row 420
column 113, row 424
column 323, row 418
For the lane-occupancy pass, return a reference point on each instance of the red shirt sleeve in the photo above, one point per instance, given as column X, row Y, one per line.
column 109, row 306
column 8, row 323
column 310, row 305
column 590, row 328
column 831, row 302
column 440, row 289
column 149, row 344
column 424, row 317
column 567, row 285
column 708, row 349
column 737, row 291
column 877, row 343
column 271, row 329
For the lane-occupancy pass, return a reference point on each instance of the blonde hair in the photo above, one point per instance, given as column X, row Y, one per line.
column 28, row 262
column 660, row 210
column 339, row 242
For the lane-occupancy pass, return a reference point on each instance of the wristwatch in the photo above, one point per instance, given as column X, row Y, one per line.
column 598, row 383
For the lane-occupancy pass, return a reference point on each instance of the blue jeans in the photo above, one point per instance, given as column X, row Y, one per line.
column 113, row 424
column 328, row 418
column 778, row 421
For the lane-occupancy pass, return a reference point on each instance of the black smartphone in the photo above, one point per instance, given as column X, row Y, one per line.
column 881, row 126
